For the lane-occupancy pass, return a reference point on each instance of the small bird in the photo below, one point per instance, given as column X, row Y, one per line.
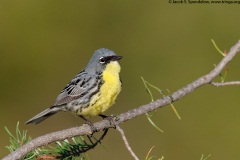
column 90, row 92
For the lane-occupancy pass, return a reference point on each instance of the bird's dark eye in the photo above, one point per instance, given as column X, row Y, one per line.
column 102, row 60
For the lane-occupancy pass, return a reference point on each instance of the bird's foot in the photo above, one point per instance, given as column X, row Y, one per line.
column 112, row 119
column 93, row 128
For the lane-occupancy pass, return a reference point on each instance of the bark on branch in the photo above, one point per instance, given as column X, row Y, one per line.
column 104, row 124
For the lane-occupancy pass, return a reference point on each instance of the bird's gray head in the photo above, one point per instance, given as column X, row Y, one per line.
column 100, row 59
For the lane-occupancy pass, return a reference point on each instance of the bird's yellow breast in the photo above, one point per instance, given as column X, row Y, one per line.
column 108, row 91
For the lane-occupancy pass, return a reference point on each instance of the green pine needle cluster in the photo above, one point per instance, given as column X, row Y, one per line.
column 64, row 150
column 19, row 140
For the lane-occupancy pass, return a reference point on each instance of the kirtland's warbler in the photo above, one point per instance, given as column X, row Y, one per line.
column 90, row 92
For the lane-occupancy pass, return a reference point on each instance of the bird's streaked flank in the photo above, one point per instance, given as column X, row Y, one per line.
column 92, row 91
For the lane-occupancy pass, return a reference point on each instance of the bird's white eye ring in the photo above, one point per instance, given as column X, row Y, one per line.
column 102, row 60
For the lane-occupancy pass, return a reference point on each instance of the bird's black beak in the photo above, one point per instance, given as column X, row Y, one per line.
column 116, row 58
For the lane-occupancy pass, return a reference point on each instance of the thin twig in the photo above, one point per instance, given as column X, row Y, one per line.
column 126, row 142
column 220, row 84
column 215, row 45
column 86, row 130
column 149, row 152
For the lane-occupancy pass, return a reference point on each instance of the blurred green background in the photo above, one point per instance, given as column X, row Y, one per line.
column 43, row 44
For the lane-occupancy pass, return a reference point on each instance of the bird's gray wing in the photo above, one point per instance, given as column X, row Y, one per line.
column 77, row 88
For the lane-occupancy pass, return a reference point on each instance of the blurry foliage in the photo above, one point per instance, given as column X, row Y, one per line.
column 224, row 76
column 146, row 84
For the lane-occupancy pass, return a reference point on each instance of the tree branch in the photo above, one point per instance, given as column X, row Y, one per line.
column 104, row 124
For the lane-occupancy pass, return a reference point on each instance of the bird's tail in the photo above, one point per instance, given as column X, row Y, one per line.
column 44, row 115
